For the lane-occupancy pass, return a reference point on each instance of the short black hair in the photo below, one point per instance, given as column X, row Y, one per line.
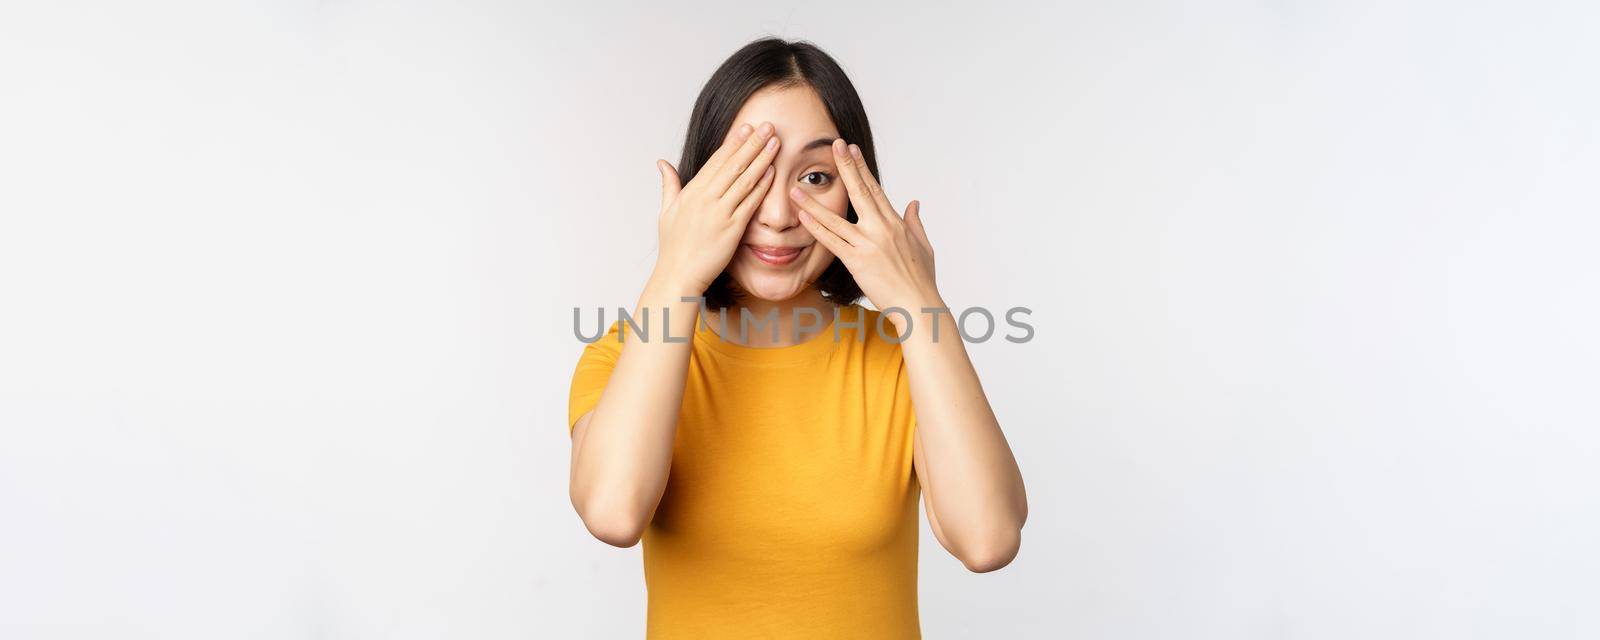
column 765, row 63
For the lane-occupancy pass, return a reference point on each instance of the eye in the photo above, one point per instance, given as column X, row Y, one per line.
column 817, row 178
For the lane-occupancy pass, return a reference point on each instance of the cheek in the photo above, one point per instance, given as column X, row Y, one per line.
column 821, row 257
column 836, row 200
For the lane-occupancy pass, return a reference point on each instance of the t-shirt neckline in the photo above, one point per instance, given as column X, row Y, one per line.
column 817, row 346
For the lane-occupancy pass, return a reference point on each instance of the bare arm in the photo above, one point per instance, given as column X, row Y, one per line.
column 622, row 450
column 971, row 485
column 981, row 504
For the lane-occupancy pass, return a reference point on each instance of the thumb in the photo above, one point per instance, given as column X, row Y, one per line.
column 914, row 223
column 670, row 184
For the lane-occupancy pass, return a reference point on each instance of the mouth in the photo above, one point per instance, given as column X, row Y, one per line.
column 775, row 256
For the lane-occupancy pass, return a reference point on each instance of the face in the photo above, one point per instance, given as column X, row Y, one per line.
column 777, row 258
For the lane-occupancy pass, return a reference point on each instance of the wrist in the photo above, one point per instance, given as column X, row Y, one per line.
column 931, row 327
column 918, row 306
column 666, row 283
column 920, row 314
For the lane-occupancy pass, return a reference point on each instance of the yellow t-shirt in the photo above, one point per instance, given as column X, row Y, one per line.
column 791, row 507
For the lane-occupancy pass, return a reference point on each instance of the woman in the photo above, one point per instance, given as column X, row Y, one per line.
column 773, row 468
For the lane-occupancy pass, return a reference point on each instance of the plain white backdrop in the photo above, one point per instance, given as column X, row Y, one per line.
column 286, row 293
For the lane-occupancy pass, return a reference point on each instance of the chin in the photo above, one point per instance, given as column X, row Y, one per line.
column 769, row 288
column 774, row 294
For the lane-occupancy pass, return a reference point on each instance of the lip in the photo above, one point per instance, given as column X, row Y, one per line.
column 775, row 255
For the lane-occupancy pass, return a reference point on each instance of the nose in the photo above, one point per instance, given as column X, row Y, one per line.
column 777, row 211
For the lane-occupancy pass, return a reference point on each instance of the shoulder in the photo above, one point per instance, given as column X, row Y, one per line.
column 605, row 347
column 876, row 333
column 881, row 361
column 877, row 326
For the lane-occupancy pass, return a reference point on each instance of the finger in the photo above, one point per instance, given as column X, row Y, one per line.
column 670, row 184
column 866, row 207
column 753, row 173
column 714, row 163
column 914, row 224
column 825, row 235
column 746, row 207
column 871, row 183
column 736, row 164
column 833, row 222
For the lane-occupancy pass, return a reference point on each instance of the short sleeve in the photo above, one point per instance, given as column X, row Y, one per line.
column 589, row 380
column 904, row 415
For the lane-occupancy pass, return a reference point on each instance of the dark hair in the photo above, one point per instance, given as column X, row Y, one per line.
column 758, row 65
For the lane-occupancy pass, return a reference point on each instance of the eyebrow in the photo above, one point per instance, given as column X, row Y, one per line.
column 819, row 142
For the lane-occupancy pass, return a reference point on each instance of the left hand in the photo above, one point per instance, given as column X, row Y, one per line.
column 889, row 255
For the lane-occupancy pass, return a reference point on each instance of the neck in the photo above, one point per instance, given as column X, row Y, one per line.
column 763, row 313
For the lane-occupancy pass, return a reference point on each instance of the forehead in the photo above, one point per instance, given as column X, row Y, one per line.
column 795, row 113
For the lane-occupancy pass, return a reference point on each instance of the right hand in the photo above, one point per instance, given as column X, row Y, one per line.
column 702, row 222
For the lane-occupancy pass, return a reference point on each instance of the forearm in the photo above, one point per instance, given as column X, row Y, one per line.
column 620, row 472
column 974, row 483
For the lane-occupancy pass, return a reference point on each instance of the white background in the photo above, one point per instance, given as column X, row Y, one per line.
column 287, row 291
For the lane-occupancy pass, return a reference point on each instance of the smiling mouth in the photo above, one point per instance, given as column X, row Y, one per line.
column 776, row 256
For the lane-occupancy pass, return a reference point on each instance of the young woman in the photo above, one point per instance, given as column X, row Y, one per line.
column 753, row 424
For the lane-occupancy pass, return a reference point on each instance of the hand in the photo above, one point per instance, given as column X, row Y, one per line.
column 701, row 223
column 889, row 255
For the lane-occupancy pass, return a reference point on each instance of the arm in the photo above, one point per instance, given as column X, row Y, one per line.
column 971, row 485
column 622, row 450
column 981, row 504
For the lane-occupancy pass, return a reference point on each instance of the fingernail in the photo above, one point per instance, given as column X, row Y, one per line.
column 838, row 146
column 796, row 193
column 766, row 128
column 772, row 143
column 744, row 129
column 855, row 151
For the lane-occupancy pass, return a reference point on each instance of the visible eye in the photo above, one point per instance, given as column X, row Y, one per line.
column 817, row 178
